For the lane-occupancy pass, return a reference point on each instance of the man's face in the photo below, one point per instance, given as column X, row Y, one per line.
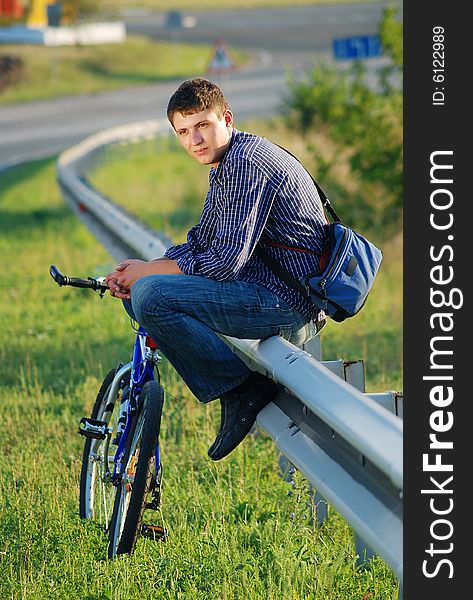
column 203, row 135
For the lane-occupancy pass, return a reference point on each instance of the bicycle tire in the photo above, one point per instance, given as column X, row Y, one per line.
column 130, row 499
column 96, row 497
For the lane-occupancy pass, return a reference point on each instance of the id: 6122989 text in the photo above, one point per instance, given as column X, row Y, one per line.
column 438, row 65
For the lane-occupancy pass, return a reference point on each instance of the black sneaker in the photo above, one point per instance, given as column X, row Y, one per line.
column 239, row 411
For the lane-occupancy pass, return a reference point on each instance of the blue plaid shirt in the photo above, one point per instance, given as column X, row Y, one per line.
column 257, row 190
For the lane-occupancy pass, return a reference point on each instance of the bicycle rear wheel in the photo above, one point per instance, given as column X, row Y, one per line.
column 97, row 494
column 140, row 473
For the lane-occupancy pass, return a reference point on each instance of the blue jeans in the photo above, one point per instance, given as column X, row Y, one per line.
column 183, row 312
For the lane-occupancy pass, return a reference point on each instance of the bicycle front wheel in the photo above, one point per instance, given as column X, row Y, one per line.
column 97, row 494
column 140, row 473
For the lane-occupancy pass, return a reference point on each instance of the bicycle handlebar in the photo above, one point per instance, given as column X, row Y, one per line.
column 90, row 282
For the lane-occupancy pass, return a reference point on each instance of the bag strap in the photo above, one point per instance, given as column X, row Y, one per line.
column 323, row 196
column 272, row 263
column 280, row 271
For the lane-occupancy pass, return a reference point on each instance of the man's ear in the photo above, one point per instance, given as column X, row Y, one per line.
column 228, row 116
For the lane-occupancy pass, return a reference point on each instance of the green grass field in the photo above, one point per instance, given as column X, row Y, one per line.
column 74, row 70
column 237, row 529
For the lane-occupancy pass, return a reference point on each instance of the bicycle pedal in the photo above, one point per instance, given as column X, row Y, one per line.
column 92, row 428
column 154, row 532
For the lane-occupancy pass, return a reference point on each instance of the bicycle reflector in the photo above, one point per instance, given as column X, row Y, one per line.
column 151, row 343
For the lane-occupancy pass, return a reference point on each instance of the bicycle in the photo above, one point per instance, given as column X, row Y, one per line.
column 121, row 474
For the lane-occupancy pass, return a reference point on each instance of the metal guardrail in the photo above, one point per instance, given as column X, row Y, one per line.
column 123, row 232
column 345, row 442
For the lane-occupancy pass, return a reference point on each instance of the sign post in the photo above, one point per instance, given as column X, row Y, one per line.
column 54, row 14
column 174, row 23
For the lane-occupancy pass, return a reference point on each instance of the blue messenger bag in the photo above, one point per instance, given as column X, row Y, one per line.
column 351, row 262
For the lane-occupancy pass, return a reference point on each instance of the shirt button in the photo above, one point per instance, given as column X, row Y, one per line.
column 277, row 305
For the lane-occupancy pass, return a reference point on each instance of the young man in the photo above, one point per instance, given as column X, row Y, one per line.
column 215, row 282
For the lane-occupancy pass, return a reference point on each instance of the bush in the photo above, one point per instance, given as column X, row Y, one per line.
column 364, row 120
column 11, row 70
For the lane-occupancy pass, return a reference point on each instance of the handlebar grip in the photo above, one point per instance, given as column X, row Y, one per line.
column 58, row 277
column 90, row 283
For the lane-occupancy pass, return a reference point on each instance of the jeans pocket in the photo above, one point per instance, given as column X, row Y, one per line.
column 303, row 334
column 285, row 331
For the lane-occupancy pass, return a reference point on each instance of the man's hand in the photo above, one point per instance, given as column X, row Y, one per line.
column 120, row 284
column 131, row 269
column 116, row 291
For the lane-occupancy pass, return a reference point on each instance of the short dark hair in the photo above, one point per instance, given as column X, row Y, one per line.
column 195, row 95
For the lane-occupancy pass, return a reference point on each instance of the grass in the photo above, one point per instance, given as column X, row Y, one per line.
column 238, row 530
column 74, row 70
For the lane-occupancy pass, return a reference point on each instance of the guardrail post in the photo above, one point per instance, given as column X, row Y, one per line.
column 351, row 373
column 354, row 372
column 355, row 375
column 392, row 401
column 399, row 404
column 313, row 347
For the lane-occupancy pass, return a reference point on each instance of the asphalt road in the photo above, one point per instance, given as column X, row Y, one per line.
column 286, row 35
column 277, row 38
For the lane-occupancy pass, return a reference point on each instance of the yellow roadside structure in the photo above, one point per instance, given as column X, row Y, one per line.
column 38, row 14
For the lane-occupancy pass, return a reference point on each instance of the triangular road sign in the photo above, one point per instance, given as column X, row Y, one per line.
column 221, row 60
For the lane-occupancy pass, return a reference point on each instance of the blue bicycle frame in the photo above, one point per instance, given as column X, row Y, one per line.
column 141, row 367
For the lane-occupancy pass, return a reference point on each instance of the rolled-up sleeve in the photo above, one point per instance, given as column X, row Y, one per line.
column 234, row 216
column 175, row 252
column 179, row 250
